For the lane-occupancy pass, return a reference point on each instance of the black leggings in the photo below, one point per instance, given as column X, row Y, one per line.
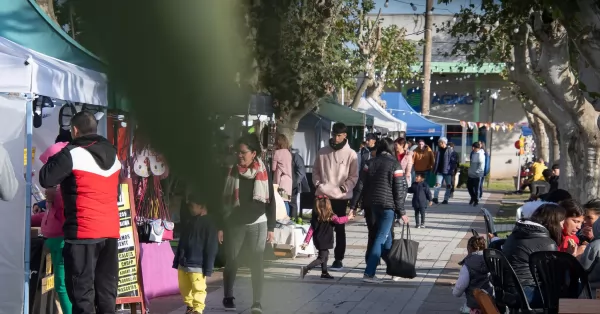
column 321, row 260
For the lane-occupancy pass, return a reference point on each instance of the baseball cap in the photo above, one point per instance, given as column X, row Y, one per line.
column 370, row 136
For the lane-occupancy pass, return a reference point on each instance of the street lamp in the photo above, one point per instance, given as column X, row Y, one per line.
column 494, row 96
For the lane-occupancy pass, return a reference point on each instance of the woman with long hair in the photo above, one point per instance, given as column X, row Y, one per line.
column 249, row 219
column 383, row 188
column 405, row 158
column 543, row 231
column 282, row 169
column 573, row 220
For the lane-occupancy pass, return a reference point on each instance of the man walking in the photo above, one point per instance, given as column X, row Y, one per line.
column 88, row 173
column 365, row 152
column 455, row 170
column 476, row 172
column 486, row 170
column 445, row 163
column 423, row 158
column 335, row 174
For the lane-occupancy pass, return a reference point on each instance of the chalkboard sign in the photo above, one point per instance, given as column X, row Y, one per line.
column 129, row 287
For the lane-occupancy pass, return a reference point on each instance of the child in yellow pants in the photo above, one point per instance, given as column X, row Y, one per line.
column 195, row 257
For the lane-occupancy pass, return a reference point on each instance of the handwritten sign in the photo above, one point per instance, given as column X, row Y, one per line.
column 128, row 275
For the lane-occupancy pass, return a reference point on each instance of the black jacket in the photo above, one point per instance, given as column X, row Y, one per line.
column 365, row 155
column 198, row 245
column 381, row 183
column 421, row 194
column 527, row 237
column 88, row 173
column 479, row 277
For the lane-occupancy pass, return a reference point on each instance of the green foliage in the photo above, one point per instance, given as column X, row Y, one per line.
column 300, row 50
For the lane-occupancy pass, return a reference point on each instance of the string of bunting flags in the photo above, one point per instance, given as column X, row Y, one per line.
column 504, row 126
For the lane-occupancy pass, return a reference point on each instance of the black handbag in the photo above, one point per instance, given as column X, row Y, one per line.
column 402, row 257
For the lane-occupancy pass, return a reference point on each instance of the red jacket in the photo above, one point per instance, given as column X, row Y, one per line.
column 88, row 173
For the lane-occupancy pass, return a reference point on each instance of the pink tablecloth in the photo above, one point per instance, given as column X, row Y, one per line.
column 158, row 274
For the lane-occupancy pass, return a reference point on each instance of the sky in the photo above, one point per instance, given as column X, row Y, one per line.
column 403, row 6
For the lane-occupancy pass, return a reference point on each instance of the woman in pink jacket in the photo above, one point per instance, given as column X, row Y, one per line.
column 405, row 157
column 52, row 225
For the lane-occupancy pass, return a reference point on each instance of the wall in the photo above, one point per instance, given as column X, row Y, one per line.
column 455, row 96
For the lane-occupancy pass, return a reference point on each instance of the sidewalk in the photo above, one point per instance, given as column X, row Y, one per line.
column 441, row 244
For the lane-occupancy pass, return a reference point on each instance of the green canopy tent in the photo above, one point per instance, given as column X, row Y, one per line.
column 356, row 121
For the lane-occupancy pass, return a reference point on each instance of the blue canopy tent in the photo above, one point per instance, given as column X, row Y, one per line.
column 526, row 131
column 417, row 125
column 37, row 58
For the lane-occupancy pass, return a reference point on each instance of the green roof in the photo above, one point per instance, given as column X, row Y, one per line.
column 332, row 110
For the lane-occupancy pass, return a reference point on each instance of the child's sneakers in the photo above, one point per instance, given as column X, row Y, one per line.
column 303, row 271
column 189, row 310
column 326, row 276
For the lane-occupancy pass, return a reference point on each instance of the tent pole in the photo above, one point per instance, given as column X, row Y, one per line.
column 28, row 170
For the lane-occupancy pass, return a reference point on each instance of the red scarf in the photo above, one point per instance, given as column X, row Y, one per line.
column 400, row 156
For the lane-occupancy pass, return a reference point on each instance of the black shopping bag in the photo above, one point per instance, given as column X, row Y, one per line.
column 402, row 257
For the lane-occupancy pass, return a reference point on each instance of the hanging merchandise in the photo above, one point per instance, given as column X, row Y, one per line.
column 503, row 126
column 153, row 220
column 471, row 125
column 463, row 123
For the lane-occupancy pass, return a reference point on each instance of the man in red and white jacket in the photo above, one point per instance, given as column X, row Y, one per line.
column 88, row 173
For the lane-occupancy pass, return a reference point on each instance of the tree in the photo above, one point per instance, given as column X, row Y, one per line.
column 48, row 7
column 300, row 52
column 538, row 41
column 383, row 55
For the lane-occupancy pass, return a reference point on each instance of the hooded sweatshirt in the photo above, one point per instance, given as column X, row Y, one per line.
column 88, row 172
column 473, row 275
column 591, row 253
column 54, row 217
column 477, row 164
column 335, row 171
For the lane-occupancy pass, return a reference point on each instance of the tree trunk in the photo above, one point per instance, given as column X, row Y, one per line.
column 48, row 7
column 367, row 81
column 374, row 91
column 555, row 144
column 540, row 136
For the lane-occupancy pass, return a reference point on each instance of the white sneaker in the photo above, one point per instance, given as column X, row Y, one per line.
column 373, row 279
column 394, row 278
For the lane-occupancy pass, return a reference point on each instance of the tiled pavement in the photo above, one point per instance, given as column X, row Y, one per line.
column 442, row 245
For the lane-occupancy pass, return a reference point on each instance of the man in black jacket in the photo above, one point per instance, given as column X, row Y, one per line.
column 300, row 183
column 365, row 152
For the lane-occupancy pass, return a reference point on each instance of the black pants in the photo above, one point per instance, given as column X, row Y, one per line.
column 370, row 220
column 321, row 260
column 91, row 271
column 339, row 208
column 420, row 213
column 473, row 187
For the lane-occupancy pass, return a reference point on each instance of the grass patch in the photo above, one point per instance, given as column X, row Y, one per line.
column 504, row 234
column 506, row 214
column 515, row 197
column 505, row 185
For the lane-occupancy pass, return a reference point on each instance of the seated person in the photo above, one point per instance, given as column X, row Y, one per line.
column 554, row 178
column 540, row 232
column 537, row 169
column 540, row 187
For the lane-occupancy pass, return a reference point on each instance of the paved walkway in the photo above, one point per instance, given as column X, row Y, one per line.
column 441, row 244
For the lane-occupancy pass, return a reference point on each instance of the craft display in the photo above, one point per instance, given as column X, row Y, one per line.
column 504, row 126
column 153, row 221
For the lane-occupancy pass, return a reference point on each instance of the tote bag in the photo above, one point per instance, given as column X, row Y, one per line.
column 402, row 257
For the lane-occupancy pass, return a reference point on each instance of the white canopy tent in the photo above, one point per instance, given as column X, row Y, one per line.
column 25, row 73
column 382, row 118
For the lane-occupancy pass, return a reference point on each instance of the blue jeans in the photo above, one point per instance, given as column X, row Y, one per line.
column 533, row 295
column 439, row 180
column 384, row 219
column 287, row 208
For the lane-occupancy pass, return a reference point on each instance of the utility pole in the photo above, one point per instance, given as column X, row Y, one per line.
column 426, row 96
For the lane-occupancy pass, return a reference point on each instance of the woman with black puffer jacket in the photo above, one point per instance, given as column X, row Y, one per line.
column 382, row 185
column 541, row 232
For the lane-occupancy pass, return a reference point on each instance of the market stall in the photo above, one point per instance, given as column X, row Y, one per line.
column 382, row 119
column 27, row 74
